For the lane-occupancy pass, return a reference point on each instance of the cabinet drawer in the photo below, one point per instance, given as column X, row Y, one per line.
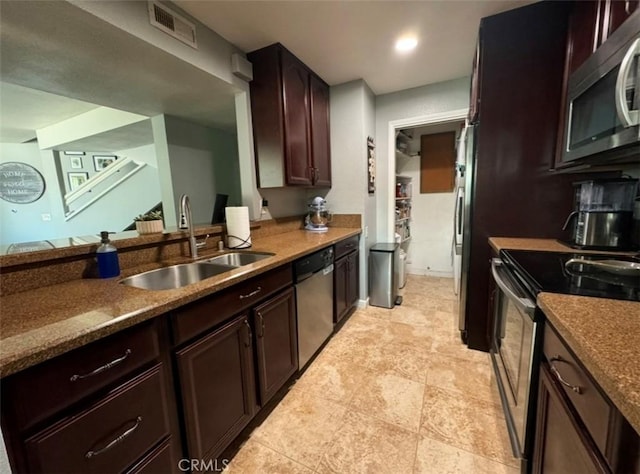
column 594, row 409
column 198, row 317
column 41, row 391
column 110, row 435
column 345, row 246
column 562, row 445
column 158, row 460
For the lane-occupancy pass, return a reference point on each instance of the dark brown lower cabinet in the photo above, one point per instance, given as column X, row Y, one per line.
column 108, row 436
column 340, row 289
column 105, row 407
column 578, row 428
column 217, row 388
column 276, row 343
column 346, row 282
column 157, row 461
column 562, row 443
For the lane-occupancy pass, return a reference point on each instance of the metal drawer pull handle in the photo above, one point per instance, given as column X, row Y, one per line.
column 118, row 440
column 249, row 334
column 261, row 324
column 101, row 369
column 555, row 372
column 253, row 293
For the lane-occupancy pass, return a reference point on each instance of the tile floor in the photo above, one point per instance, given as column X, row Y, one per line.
column 395, row 391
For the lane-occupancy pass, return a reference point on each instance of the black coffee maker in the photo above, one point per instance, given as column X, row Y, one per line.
column 603, row 215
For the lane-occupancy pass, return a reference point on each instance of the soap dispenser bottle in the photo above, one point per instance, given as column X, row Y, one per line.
column 107, row 255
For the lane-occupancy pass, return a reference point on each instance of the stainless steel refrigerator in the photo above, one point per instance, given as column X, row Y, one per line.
column 458, row 216
column 465, row 169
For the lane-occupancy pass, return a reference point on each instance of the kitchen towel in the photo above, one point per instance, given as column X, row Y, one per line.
column 238, row 230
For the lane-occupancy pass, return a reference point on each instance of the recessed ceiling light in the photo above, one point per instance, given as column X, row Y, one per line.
column 406, row 43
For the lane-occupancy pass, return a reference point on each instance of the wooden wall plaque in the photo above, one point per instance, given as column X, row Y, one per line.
column 20, row 183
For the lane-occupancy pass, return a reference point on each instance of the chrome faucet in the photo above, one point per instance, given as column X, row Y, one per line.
column 186, row 222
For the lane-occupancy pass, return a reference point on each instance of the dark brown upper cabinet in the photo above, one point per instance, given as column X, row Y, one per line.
column 290, row 114
column 591, row 22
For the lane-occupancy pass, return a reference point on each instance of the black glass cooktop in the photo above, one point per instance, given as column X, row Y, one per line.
column 546, row 271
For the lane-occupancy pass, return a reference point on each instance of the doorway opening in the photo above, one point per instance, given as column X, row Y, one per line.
column 422, row 222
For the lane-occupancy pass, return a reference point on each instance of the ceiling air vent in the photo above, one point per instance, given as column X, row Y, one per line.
column 173, row 24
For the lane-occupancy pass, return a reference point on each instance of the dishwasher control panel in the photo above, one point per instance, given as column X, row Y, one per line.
column 312, row 263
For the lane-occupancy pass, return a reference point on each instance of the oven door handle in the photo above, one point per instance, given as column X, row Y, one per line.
column 523, row 304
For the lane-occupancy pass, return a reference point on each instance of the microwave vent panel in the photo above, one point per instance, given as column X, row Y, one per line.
column 173, row 24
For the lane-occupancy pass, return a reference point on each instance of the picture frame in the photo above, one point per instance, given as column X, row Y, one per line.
column 371, row 166
column 100, row 162
column 77, row 179
column 80, row 153
column 75, row 162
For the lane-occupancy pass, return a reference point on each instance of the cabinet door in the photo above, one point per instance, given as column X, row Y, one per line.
column 320, row 144
column 562, row 444
column 340, row 303
column 353, row 279
column 217, row 388
column 618, row 12
column 584, row 34
column 295, row 84
column 276, row 343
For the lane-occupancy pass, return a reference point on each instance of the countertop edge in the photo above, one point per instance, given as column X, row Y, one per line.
column 609, row 384
column 543, row 245
column 12, row 363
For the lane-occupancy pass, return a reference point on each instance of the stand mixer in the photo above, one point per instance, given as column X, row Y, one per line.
column 318, row 216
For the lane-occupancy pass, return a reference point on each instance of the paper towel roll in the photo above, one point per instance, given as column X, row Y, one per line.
column 238, row 230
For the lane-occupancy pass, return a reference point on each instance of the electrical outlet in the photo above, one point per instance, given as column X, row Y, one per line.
column 46, row 217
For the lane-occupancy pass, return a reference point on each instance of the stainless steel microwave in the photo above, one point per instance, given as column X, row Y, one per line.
column 603, row 100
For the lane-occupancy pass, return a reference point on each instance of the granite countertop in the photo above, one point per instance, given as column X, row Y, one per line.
column 542, row 245
column 604, row 334
column 40, row 324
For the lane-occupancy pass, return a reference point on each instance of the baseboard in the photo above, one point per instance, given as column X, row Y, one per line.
column 428, row 272
column 363, row 303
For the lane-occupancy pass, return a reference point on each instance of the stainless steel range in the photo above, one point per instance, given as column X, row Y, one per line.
column 517, row 332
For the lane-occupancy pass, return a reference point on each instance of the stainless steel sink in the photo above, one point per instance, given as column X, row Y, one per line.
column 176, row 276
column 238, row 259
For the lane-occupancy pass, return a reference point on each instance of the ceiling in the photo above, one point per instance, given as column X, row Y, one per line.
column 26, row 110
column 346, row 40
column 58, row 61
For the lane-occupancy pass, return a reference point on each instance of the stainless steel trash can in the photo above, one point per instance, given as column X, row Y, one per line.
column 383, row 274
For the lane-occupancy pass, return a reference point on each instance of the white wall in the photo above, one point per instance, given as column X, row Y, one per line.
column 201, row 160
column 421, row 101
column 113, row 212
column 23, row 222
column 429, row 250
column 45, row 218
column 348, row 149
column 352, row 120
column 213, row 54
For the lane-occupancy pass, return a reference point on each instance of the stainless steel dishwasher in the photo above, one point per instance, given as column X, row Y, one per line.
column 314, row 295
